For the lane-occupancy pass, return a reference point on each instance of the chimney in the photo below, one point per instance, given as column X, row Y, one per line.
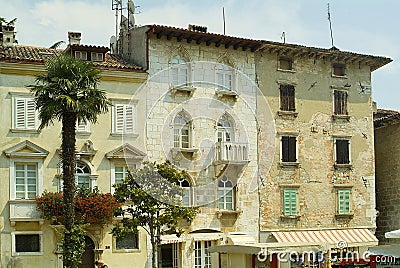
column 74, row 38
column 7, row 35
column 197, row 28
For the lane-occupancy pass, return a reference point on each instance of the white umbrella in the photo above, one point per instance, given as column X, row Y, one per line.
column 393, row 234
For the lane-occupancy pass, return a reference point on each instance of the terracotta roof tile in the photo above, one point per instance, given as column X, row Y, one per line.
column 31, row 54
column 384, row 118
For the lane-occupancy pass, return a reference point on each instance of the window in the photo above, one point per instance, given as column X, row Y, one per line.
column 82, row 126
column 26, row 243
column 185, row 185
column 120, row 173
column 224, row 129
column 82, row 175
column 202, row 258
column 340, row 102
column 179, row 71
column 285, row 64
column 342, row 151
column 288, row 149
column 129, row 241
column 182, row 128
column 25, row 115
column 343, row 205
column 95, row 56
column 339, row 69
column 224, row 77
column 26, row 176
column 124, row 121
column 225, row 194
column 81, row 55
column 287, row 98
column 290, row 202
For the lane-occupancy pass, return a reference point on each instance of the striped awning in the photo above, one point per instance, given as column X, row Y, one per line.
column 337, row 238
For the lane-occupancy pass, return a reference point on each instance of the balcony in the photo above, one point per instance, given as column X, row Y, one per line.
column 235, row 153
column 24, row 210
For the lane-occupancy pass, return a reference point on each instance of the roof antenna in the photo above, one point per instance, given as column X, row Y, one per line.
column 283, row 37
column 330, row 26
column 223, row 17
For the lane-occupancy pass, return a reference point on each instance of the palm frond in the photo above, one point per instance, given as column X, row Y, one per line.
column 56, row 45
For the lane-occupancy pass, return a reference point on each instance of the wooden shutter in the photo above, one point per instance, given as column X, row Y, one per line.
column 290, row 202
column 287, row 98
column 25, row 113
column 342, row 152
column 284, row 98
column 129, row 123
column 119, row 118
column 20, row 113
column 340, row 102
column 343, row 201
column 289, row 149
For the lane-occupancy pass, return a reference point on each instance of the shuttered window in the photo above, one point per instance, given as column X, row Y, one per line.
column 25, row 113
column 124, row 119
column 342, row 151
column 287, row 98
column 289, row 151
column 340, row 102
column 290, row 202
column 82, row 126
column 343, row 201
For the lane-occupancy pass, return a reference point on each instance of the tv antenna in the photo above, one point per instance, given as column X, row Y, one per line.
column 330, row 25
column 223, row 17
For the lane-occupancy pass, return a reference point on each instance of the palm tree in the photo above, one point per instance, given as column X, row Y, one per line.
column 68, row 92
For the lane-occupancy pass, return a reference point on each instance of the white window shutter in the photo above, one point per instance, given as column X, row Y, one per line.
column 129, row 123
column 119, row 118
column 20, row 113
column 30, row 114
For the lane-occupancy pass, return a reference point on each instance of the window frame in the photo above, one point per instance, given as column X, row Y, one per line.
column 204, row 256
column 25, row 97
column 291, row 191
column 94, row 56
column 177, row 131
column 39, row 178
column 347, row 201
column 222, row 193
column 290, row 63
column 82, row 127
column 223, row 70
column 90, row 176
column 182, row 65
column 290, row 138
column 336, row 66
column 13, row 243
column 336, row 139
column 128, row 250
column 124, row 103
column 119, row 163
column 187, row 192
column 80, row 55
column 287, row 98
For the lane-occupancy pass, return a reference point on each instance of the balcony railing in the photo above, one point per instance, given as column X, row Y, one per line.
column 232, row 152
column 23, row 210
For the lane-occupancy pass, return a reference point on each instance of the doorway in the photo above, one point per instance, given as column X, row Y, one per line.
column 88, row 254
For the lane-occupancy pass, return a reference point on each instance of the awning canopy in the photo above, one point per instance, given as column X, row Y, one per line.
column 336, row 238
column 205, row 236
column 170, row 239
column 387, row 250
column 240, row 239
column 393, row 234
column 237, row 249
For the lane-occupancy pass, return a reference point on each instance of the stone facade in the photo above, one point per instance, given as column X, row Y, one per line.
column 387, row 154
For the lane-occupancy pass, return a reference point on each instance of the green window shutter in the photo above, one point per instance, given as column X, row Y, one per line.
column 290, row 202
column 344, row 201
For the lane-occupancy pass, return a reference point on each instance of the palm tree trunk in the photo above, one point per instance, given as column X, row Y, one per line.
column 68, row 164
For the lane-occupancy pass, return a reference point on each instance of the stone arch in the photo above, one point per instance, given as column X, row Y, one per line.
column 180, row 51
column 227, row 59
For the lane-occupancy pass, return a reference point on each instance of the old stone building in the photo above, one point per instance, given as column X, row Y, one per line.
column 318, row 187
column 387, row 155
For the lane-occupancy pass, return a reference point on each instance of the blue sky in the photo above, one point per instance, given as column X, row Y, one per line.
column 361, row 26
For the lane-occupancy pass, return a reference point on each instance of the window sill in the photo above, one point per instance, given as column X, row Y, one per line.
column 226, row 93
column 289, row 164
column 185, row 150
column 225, row 212
column 133, row 250
column 288, row 113
column 183, row 89
column 30, row 131
column 286, row 70
column 341, row 117
column 130, row 135
column 339, row 76
column 83, row 133
column 344, row 216
column 343, row 166
column 295, row 217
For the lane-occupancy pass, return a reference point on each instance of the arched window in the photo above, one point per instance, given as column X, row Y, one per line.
column 182, row 127
column 224, row 76
column 224, row 129
column 225, row 194
column 82, row 175
column 185, row 185
column 179, row 71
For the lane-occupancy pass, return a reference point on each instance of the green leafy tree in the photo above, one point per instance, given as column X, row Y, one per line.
column 68, row 92
column 153, row 201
